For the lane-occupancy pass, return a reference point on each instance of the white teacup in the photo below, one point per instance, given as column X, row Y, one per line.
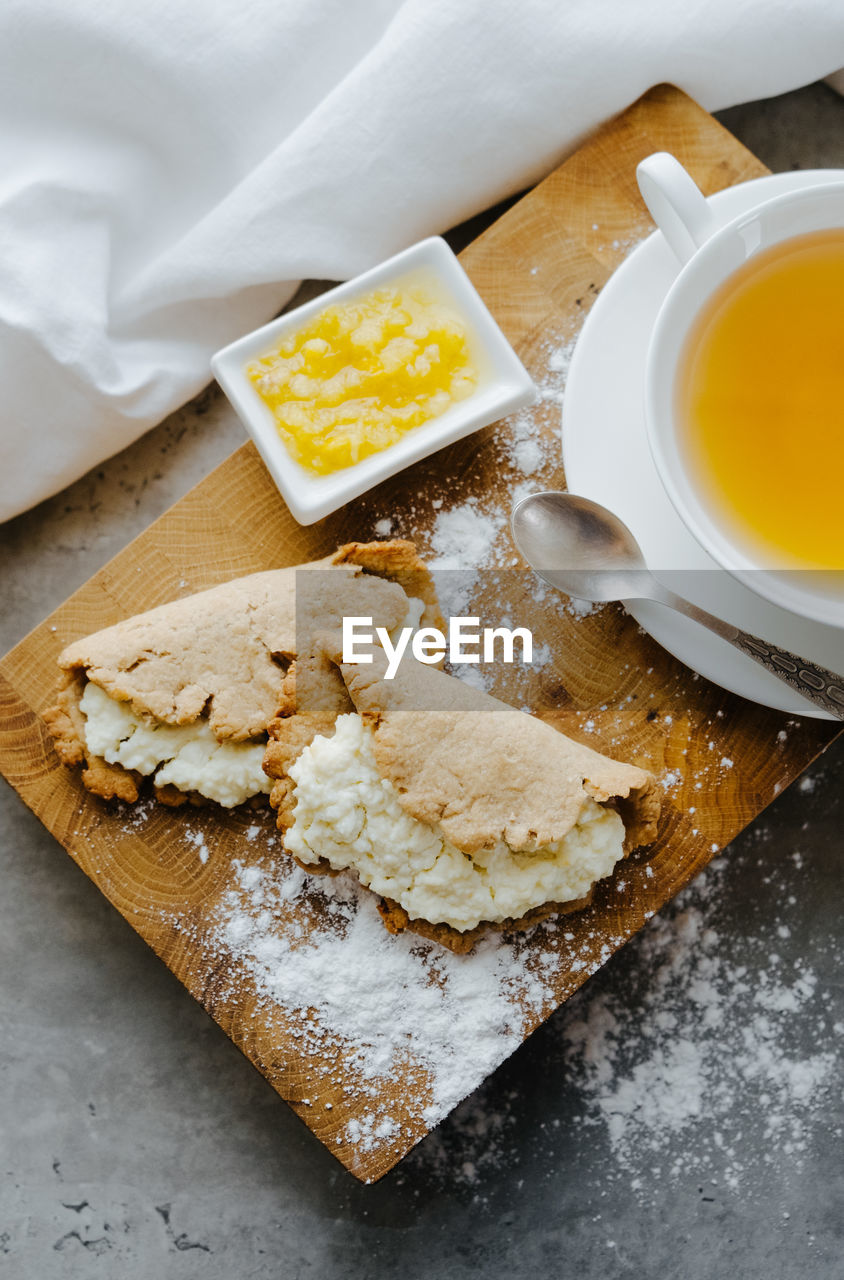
column 709, row 253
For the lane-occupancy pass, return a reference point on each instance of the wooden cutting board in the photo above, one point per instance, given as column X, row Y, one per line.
column 720, row 759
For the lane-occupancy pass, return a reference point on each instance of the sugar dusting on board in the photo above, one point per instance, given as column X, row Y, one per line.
column 530, row 438
column 468, row 541
column 464, row 537
column 382, row 1005
column 467, row 535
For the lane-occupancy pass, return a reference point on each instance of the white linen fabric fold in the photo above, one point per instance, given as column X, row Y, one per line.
column 171, row 171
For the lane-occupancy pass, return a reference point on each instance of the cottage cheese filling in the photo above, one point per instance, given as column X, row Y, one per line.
column 346, row 813
column 187, row 756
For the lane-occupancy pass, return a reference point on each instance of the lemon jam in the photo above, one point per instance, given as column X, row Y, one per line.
column 363, row 373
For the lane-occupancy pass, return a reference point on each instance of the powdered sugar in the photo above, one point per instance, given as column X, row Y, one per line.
column 473, row 537
column 370, row 1131
column 529, row 440
column 197, row 838
column 713, row 1038
column 581, row 608
column 392, row 1004
column 468, row 535
column 708, row 1057
column 464, row 537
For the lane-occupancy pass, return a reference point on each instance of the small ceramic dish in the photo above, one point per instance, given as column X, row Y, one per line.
column 504, row 385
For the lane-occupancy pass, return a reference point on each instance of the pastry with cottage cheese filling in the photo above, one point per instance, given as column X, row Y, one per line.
column 348, row 814
column 188, row 757
column 458, row 811
column 182, row 694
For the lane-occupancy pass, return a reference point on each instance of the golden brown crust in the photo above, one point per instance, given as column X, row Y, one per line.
column 66, row 724
column 396, row 920
column 313, row 692
column 223, row 654
column 639, row 810
column 110, row 781
column 172, row 798
column 398, row 560
column 291, row 731
column 64, row 721
column 479, row 771
column 482, row 771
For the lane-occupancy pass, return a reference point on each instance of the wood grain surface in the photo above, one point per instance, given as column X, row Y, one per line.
column 538, row 268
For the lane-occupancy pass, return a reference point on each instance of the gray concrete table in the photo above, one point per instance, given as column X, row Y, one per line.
column 682, row 1117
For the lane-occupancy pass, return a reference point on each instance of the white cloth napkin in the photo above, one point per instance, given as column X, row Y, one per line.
column 171, row 171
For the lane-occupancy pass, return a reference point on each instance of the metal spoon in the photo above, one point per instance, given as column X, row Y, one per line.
column 585, row 551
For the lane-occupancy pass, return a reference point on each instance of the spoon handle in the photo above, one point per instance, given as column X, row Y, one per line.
column 824, row 688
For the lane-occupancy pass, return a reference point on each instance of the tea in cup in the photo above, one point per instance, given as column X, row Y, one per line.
column 745, row 385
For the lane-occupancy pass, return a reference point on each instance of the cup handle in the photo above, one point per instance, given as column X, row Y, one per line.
column 676, row 204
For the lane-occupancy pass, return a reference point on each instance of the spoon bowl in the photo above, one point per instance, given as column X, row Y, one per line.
column 584, row 550
column 578, row 546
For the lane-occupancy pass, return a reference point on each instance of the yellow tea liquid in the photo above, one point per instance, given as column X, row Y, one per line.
column 761, row 402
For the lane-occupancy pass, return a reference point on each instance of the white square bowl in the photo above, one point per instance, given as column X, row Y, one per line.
column 504, row 385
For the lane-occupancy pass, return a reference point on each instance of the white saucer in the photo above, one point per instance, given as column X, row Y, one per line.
column 607, row 458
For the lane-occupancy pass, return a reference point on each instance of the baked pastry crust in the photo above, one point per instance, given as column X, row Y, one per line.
column 469, row 765
column 223, row 653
